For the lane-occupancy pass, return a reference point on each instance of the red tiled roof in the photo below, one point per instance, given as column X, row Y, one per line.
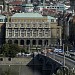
column 17, row 8
column 16, row 3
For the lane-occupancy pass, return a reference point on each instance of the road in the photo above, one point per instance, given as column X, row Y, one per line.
column 68, row 62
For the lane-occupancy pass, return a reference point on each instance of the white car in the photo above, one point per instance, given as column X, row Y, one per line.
column 29, row 54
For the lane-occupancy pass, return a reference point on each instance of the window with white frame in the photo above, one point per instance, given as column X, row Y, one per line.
column 22, row 25
column 28, row 34
column 10, row 30
column 34, row 34
column 22, row 30
column 22, row 34
column 40, row 34
column 10, row 34
column 52, row 20
column 15, row 25
column 9, row 25
column 16, row 34
column 16, row 30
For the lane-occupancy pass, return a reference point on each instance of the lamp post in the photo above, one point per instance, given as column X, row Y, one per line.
column 64, row 56
column 67, row 50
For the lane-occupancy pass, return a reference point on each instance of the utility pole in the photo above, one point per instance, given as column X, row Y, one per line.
column 67, row 50
column 64, row 60
column 64, row 56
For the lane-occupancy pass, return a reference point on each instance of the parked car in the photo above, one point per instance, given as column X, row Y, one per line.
column 58, row 50
column 28, row 54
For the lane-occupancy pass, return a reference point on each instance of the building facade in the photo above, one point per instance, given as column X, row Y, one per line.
column 32, row 29
column 72, row 4
column 2, row 29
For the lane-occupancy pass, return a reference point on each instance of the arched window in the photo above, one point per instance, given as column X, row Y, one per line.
column 21, row 42
column 39, row 42
column 9, row 41
column 34, row 42
column 27, row 42
column 15, row 41
column 46, row 42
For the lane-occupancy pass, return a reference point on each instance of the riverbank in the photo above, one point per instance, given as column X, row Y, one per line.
column 15, row 61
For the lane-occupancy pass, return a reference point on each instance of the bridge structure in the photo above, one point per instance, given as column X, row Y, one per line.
column 51, row 63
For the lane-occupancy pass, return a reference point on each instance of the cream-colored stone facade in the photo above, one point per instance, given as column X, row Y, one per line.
column 32, row 31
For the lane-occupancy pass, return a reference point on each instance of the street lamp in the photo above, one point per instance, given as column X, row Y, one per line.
column 64, row 56
column 67, row 50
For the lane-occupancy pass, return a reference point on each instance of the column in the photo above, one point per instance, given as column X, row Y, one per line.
column 31, row 42
column 37, row 42
column 24, row 42
column 12, row 41
column 18, row 41
column 49, row 42
column 60, row 37
column 43, row 43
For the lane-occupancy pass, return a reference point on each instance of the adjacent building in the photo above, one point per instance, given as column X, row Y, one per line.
column 2, row 29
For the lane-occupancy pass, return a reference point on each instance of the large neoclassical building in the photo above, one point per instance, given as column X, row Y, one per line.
column 32, row 29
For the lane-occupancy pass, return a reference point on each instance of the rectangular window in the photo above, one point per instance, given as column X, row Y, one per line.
column 1, row 20
column 28, row 30
column 16, row 30
column 28, row 25
column 25, row 33
column 10, row 34
column 22, row 25
column 15, row 25
column 40, row 25
column 22, row 34
column 16, row 34
column 40, row 30
column 10, row 30
column 34, row 30
column 28, row 34
column 46, row 34
column 19, row 33
column 52, row 20
column 46, row 24
column 40, row 34
column 9, row 25
column 22, row 30
column 34, row 35
column 33, row 25
column 46, row 30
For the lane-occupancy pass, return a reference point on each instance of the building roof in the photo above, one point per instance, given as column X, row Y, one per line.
column 27, row 15
column 2, row 17
column 27, row 5
column 49, row 18
column 16, row 3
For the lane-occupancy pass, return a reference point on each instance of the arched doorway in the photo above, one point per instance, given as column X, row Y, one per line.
column 21, row 42
column 9, row 41
column 27, row 42
column 39, row 42
column 46, row 42
column 34, row 42
column 15, row 41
